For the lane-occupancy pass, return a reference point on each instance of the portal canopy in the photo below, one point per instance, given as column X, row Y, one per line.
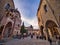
column 50, row 24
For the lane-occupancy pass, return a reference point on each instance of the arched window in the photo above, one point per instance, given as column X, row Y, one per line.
column 7, row 6
column 45, row 8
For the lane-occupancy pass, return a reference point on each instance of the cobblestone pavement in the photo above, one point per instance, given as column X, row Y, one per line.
column 27, row 41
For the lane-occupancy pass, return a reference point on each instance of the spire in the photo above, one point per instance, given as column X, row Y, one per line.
column 23, row 24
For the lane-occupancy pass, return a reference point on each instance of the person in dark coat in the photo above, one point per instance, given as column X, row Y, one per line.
column 37, row 37
column 50, row 40
column 31, row 36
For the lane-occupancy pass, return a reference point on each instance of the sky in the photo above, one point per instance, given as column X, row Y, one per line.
column 28, row 11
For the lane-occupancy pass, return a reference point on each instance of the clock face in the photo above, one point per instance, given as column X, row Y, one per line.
column 7, row 6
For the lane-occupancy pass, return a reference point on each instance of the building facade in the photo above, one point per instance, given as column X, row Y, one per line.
column 48, row 14
column 17, row 25
column 32, row 31
column 10, row 18
column 3, row 3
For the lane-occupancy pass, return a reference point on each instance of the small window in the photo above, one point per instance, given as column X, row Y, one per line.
column 45, row 8
column 39, row 19
column 53, row 11
column 18, row 25
column 7, row 6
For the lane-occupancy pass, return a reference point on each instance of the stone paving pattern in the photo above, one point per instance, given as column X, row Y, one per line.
column 27, row 41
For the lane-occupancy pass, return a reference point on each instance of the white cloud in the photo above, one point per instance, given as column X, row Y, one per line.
column 22, row 8
column 32, row 22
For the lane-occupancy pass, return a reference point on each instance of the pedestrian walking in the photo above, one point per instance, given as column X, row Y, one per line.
column 31, row 36
column 50, row 40
column 37, row 37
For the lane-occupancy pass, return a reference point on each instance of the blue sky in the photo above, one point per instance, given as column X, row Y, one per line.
column 28, row 10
